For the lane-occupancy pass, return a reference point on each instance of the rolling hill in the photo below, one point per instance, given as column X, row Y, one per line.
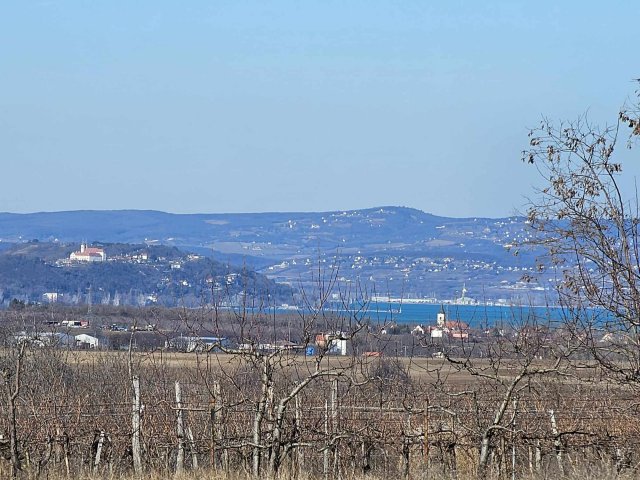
column 387, row 250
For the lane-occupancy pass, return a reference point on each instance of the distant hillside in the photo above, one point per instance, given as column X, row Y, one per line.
column 379, row 225
column 132, row 274
column 396, row 250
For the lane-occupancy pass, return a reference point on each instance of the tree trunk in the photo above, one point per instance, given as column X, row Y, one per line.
column 259, row 417
column 334, row 428
column 485, row 450
column 325, row 451
column 13, row 437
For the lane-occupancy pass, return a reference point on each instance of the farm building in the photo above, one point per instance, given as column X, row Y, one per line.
column 86, row 341
column 45, row 339
column 196, row 344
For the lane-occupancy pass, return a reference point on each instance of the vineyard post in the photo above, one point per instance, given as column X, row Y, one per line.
column 406, row 450
column 334, row 428
column 513, row 441
column 192, row 447
column 96, row 461
column 179, row 430
column 218, row 422
column 425, row 439
column 556, row 441
column 135, row 423
column 212, row 433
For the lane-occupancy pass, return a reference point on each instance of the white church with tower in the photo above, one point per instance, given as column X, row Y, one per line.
column 451, row 328
column 88, row 254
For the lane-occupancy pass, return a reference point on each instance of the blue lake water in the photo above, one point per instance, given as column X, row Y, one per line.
column 475, row 315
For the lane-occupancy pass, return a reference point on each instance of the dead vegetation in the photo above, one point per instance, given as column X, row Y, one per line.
column 280, row 414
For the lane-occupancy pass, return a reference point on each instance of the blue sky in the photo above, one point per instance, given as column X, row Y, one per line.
column 247, row 106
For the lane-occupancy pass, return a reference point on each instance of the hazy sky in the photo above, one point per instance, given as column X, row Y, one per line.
column 246, row 106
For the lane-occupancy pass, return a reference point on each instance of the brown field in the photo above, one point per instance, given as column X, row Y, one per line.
column 370, row 417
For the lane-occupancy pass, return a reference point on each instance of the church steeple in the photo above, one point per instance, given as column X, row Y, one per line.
column 441, row 318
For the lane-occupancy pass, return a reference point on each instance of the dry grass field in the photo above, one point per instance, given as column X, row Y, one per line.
column 418, row 368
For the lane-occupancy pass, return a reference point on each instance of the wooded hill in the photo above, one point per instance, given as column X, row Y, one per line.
column 168, row 276
column 395, row 250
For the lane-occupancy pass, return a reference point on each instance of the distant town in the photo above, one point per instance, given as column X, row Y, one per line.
column 395, row 252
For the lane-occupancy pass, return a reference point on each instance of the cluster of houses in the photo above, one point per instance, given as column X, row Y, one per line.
column 88, row 254
column 334, row 343
column 444, row 328
column 58, row 339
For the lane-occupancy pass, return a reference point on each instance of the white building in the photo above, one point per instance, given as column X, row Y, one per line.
column 44, row 339
column 335, row 343
column 84, row 340
column 88, row 254
column 51, row 297
column 464, row 300
column 452, row 328
column 197, row 344
column 436, row 333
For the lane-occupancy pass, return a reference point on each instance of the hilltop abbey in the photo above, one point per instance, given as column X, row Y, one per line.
column 88, row 254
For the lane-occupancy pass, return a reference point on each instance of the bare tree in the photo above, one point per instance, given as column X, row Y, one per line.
column 12, row 371
column 503, row 372
column 589, row 228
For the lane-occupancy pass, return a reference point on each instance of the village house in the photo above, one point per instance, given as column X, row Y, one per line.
column 334, row 342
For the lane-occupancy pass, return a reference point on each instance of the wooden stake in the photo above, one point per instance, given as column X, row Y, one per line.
column 425, row 439
column 179, row 431
column 212, row 433
column 192, row 447
column 96, row 461
column 556, row 442
column 334, row 428
column 135, row 424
